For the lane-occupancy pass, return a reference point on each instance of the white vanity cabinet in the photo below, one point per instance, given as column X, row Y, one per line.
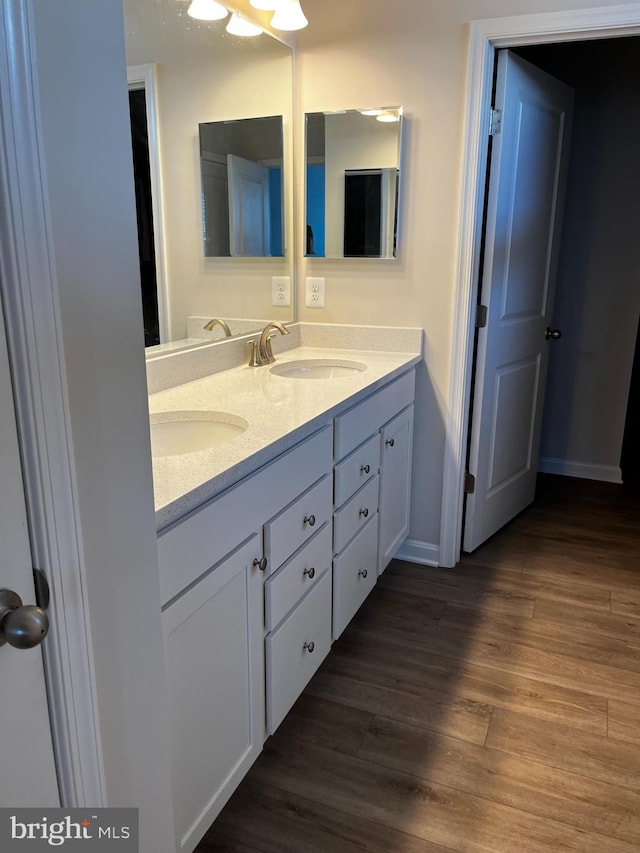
column 371, row 492
column 257, row 582
column 213, row 595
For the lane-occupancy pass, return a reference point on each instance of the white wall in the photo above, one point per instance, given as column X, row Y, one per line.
column 203, row 78
column 371, row 51
column 598, row 293
column 79, row 49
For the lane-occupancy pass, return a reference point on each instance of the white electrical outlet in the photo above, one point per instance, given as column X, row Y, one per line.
column 315, row 293
column 281, row 290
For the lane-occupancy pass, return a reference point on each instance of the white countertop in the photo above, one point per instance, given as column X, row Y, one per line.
column 280, row 411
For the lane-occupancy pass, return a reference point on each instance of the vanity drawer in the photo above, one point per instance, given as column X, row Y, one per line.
column 296, row 649
column 368, row 417
column 355, row 513
column 192, row 545
column 354, row 576
column 300, row 574
column 298, row 522
column 355, row 470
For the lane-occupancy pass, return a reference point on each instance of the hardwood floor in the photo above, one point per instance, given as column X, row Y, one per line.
column 494, row 707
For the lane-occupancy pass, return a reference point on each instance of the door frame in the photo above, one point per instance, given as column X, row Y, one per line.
column 485, row 37
column 29, row 306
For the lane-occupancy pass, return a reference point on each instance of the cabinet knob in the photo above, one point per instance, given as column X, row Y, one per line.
column 261, row 563
column 390, row 442
column 310, row 520
column 365, row 469
column 364, row 512
column 363, row 572
column 309, row 647
column 310, row 572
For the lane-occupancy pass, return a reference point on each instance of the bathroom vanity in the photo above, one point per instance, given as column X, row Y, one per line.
column 267, row 547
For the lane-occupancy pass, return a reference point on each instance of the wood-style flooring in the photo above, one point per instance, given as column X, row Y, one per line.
column 493, row 707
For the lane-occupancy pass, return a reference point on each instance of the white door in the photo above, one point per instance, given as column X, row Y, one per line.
column 29, row 776
column 524, row 217
column 249, row 226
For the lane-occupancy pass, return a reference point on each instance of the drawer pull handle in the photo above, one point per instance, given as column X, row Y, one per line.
column 364, row 512
column 309, row 647
column 390, row 442
column 261, row 564
column 311, row 572
column 365, row 469
column 310, row 520
column 363, row 572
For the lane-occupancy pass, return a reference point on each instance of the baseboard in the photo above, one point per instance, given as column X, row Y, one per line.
column 583, row 470
column 415, row 551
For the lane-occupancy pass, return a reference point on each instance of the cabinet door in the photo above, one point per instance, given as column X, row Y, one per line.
column 354, row 576
column 296, row 649
column 395, row 485
column 215, row 678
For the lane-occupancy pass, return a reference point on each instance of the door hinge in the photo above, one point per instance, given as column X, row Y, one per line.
column 469, row 484
column 481, row 316
column 495, row 122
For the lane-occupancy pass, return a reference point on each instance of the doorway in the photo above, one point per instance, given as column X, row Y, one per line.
column 487, row 36
column 597, row 303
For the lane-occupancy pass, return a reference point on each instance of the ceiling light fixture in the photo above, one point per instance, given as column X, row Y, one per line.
column 239, row 26
column 371, row 112
column 289, row 16
column 207, row 10
column 266, row 5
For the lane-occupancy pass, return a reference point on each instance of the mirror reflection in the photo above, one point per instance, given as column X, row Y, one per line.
column 194, row 73
column 352, row 183
column 241, row 164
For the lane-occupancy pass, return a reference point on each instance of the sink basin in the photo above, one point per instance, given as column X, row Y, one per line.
column 176, row 433
column 318, row 368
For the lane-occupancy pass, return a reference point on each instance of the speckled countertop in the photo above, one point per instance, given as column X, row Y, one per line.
column 280, row 411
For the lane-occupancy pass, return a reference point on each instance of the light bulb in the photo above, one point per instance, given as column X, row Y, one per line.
column 238, row 26
column 207, row 10
column 289, row 16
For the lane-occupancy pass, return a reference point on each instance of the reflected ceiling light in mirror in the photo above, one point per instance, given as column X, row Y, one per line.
column 388, row 116
column 289, row 16
column 370, row 112
column 239, row 26
column 207, row 10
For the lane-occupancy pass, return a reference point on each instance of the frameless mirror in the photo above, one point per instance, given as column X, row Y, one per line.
column 353, row 182
column 194, row 74
column 242, row 200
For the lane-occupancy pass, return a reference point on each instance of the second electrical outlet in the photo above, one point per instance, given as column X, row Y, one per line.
column 315, row 292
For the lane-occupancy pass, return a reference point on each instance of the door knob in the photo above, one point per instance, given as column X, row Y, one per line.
column 553, row 334
column 23, row 626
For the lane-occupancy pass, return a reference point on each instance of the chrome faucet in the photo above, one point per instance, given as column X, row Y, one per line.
column 218, row 322
column 261, row 352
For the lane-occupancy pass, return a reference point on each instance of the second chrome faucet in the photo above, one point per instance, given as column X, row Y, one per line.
column 261, row 352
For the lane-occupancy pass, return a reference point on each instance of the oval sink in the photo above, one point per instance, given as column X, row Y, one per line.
column 318, row 368
column 176, row 433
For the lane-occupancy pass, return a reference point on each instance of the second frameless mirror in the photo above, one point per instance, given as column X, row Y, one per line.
column 353, row 162
column 242, row 188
